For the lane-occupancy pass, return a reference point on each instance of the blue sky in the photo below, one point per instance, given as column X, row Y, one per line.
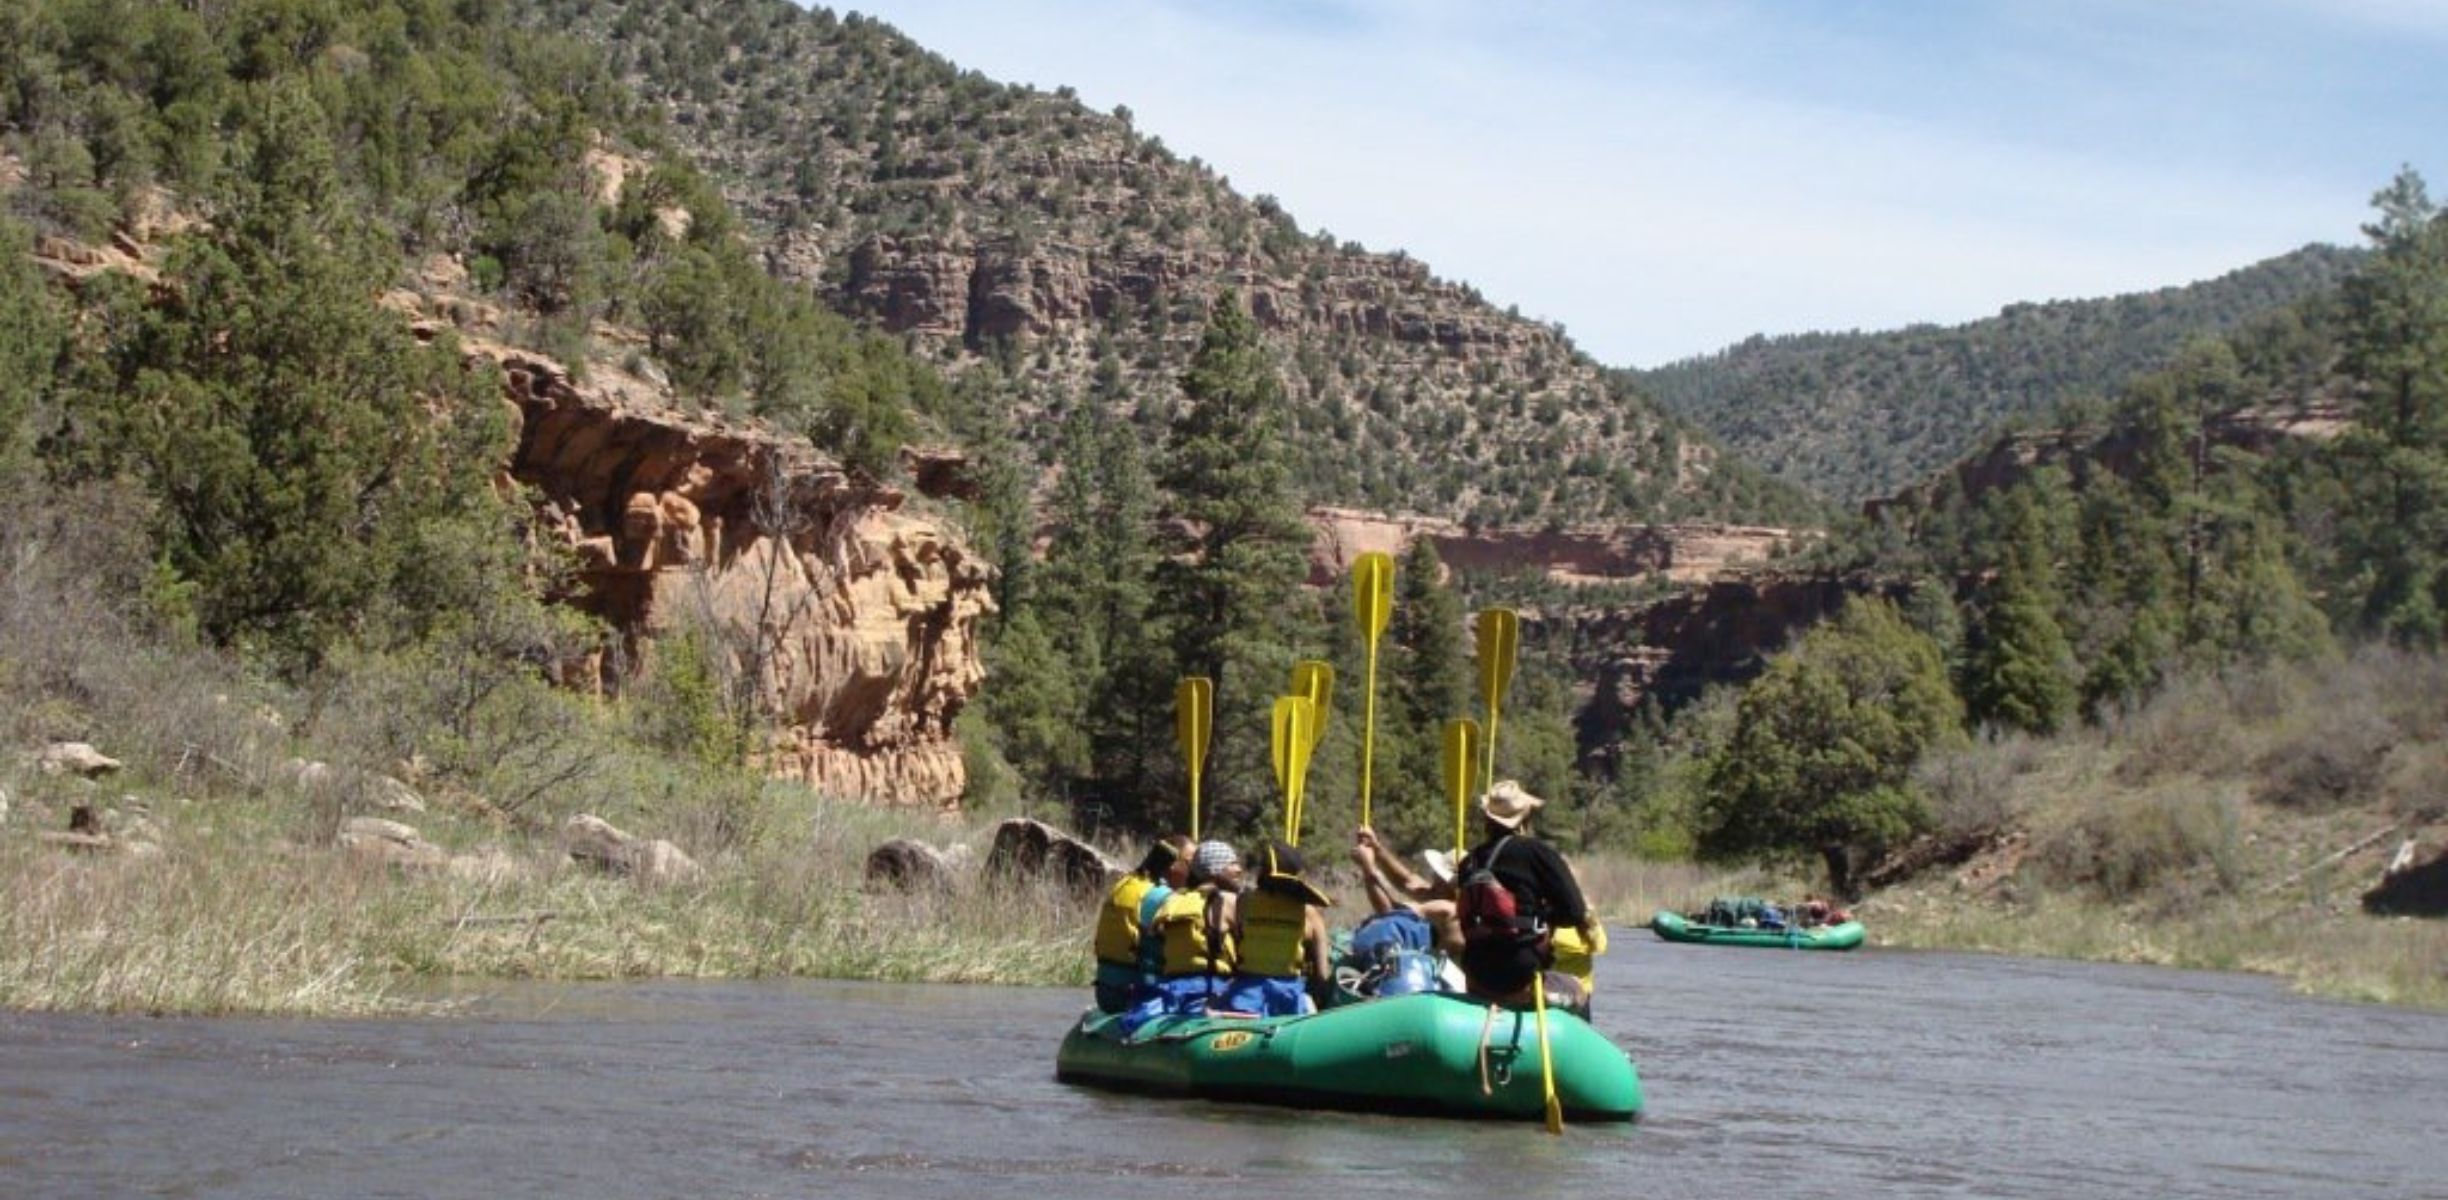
column 1667, row 178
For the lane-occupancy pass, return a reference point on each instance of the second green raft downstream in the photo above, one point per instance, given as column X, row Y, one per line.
column 1433, row 1053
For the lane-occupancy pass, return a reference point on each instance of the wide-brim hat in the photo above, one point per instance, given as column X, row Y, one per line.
column 1508, row 804
column 1440, row 865
column 1279, row 870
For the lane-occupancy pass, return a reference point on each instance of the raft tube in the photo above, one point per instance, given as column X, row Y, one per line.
column 1402, row 1054
column 1674, row 927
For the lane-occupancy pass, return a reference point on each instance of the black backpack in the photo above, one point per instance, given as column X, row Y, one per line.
column 1492, row 916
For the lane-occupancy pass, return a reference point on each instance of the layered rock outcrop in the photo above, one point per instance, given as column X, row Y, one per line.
column 1688, row 552
column 857, row 618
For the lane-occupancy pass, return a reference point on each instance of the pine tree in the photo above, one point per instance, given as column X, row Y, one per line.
column 1236, row 573
column 2395, row 463
column 1426, row 683
column 2020, row 672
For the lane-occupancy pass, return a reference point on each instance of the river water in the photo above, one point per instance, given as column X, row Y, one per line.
column 1767, row 1073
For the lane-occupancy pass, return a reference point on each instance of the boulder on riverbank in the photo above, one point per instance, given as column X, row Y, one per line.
column 74, row 758
column 1027, row 849
column 374, row 839
column 2420, row 891
column 907, row 864
column 362, row 789
column 598, row 843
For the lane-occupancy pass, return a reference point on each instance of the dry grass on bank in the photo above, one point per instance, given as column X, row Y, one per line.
column 240, row 920
column 2206, row 830
column 241, row 900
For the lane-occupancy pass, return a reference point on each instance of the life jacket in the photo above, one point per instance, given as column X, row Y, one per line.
column 1151, row 942
column 1195, row 940
column 1492, row 916
column 1117, row 930
column 1576, row 955
column 1272, row 926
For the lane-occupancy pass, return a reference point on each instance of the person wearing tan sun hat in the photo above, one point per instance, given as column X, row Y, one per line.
column 1518, row 897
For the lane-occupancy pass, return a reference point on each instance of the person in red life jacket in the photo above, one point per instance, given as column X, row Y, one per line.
column 1282, row 954
column 1515, row 893
column 1816, row 912
column 1127, row 953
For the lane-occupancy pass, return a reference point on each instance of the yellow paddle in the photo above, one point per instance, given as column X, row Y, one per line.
column 1373, row 604
column 1499, row 641
column 1193, row 721
column 1313, row 681
column 1555, row 1107
column 1295, row 718
column 1461, row 761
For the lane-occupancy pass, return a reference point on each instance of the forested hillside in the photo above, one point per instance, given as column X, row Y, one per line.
column 1004, row 226
column 2110, row 602
column 1857, row 415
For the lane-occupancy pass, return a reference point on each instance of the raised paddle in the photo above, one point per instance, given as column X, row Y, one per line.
column 1313, row 681
column 1193, row 722
column 1373, row 605
column 1291, row 739
column 1460, row 760
column 1555, row 1107
column 1499, row 642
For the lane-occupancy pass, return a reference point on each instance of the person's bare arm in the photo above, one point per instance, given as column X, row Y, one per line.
column 1413, row 884
column 1321, row 948
column 1372, row 876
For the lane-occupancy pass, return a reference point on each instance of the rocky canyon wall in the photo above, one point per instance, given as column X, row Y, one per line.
column 1686, row 552
column 857, row 618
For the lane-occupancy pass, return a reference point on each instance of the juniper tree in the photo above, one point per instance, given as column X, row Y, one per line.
column 1824, row 744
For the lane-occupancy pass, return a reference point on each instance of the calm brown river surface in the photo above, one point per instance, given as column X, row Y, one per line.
column 1767, row 1073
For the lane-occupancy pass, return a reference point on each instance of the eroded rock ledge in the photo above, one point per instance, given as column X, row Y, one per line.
column 864, row 616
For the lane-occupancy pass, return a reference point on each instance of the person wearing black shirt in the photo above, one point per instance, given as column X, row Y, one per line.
column 1500, row 969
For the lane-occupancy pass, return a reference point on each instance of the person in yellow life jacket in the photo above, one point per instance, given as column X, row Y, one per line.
column 1124, row 963
column 1194, row 929
column 1279, row 928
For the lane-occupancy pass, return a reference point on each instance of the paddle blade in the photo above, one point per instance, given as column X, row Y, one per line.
column 1499, row 643
column 1305, row 723
column 1194, row 720
column 1461, row 754
column 1313, row 681
column 1283, row 734
column 1373, row 592
column 1555, row 1107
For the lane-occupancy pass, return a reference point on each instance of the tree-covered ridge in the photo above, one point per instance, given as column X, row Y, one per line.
column 2194, row 528
column 1856, row 415
column 2182, row 529
column 1001, row 223
column 314, row 475
column 440, row 132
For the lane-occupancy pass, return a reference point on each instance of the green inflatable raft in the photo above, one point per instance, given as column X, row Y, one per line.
column 1674, row 927
column 1432, row 1053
